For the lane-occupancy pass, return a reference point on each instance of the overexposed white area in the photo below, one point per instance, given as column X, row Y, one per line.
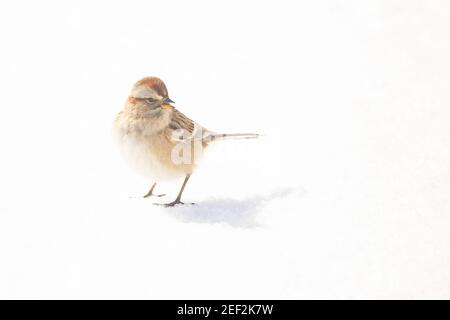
column 347, row 195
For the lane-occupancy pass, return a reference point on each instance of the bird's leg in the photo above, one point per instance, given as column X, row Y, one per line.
column 178, row 199
column 150, row 192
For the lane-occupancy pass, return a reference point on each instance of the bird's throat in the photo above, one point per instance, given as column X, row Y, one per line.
column 166, row 106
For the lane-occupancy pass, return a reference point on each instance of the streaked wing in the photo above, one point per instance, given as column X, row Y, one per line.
column 180, row 121
column 190, row 130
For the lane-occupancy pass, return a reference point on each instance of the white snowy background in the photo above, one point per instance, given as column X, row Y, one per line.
column 346, row 196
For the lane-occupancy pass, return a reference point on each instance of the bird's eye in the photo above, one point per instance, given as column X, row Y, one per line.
column 150, row 100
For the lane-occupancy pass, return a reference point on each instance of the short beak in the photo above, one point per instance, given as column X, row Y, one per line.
column 166, row 103
column 168, row 100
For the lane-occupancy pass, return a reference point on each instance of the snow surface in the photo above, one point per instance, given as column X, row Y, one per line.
column 346, row 196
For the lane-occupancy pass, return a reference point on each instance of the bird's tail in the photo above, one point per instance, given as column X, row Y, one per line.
column 233, row 136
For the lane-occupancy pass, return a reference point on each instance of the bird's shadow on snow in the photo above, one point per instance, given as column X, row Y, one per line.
column 240, row 213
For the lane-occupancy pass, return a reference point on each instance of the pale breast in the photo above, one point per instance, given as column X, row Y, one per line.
column 146, row 145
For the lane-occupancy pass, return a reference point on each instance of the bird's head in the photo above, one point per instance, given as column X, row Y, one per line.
column 153, row 92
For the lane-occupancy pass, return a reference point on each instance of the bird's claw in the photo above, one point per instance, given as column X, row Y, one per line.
column 154, row 195
column 171, row 204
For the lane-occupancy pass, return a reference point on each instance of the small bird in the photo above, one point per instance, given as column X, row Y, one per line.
column 159, row 141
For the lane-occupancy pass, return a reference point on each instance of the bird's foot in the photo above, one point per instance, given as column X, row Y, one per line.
column 171, row 204
column 154, row 195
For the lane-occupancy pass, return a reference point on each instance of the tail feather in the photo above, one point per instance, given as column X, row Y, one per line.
column 233, row 136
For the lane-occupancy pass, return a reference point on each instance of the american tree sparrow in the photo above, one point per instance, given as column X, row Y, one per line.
column 159, row 141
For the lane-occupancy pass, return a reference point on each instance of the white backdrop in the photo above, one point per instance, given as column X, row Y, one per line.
column 346, row 196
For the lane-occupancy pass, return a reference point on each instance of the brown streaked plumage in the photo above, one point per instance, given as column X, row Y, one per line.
column 159, row 141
